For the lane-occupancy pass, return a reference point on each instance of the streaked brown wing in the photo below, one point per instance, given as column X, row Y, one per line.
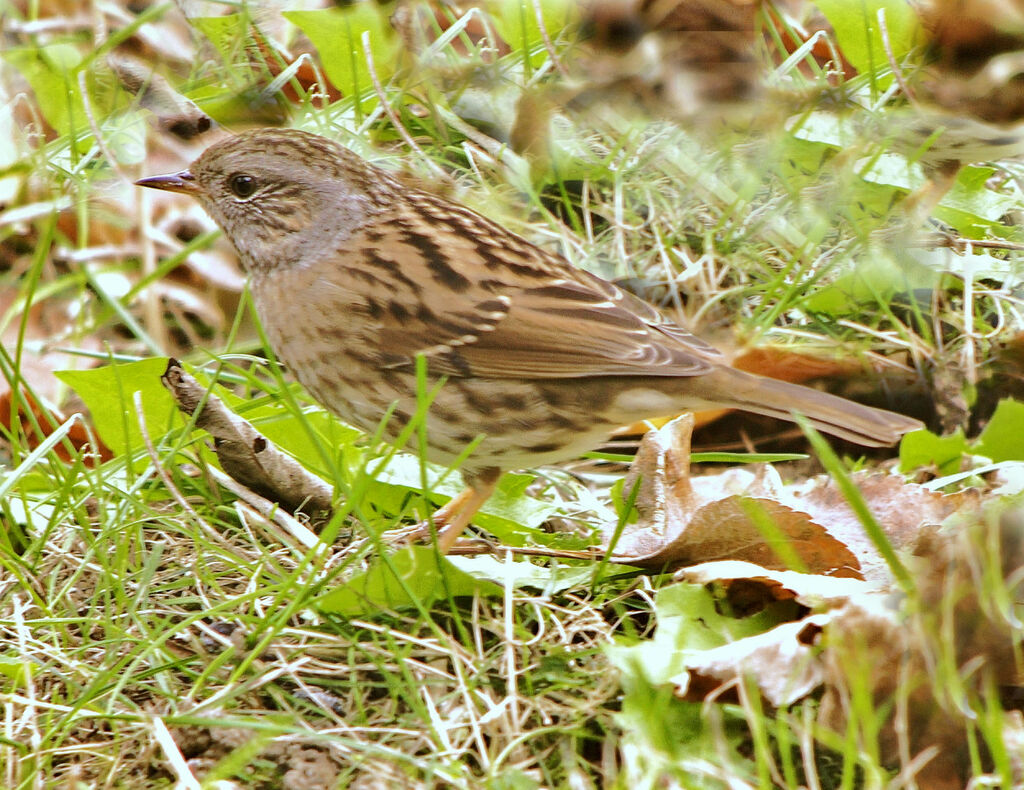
column 566, row 330
column 489, row 303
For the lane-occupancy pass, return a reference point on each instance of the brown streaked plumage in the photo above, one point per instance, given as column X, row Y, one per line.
column 354, row 274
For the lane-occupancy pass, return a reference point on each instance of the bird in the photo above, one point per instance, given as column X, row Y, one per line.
column 355, row 274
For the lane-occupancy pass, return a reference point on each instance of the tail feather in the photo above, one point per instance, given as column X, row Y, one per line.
column 837, row 416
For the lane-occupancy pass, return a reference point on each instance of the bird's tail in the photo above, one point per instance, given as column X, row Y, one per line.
column 840, row 417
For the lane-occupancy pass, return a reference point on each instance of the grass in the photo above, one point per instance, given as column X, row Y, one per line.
column 157, row 631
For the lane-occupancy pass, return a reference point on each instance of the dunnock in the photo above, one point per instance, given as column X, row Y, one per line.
column 354, row 274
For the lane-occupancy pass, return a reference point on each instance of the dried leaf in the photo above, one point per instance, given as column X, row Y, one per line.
column 678, row 524
column 781, row 661
column 933, row 669
column 811, row 590
column 176, row 113
column 904, row 510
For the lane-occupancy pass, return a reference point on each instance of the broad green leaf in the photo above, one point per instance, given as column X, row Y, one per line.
column 242, row 99
column 837, row 130
column 227, row 33
column 417, row 573
column 510, row 508
column 291, row 432
column 894, row 170
column 516, row 22
column 874, row 280
column 548, row 579
column 337, row 34
column 978, row 266
column 924, row 448
column 860, row 35
column 109, row 393
column 244, row 102
column 1001, row 439
column 969, row 202
column 688, row 621
column 51, row 71
column 662, row 731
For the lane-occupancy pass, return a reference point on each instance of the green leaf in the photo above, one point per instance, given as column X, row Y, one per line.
column 663, row 731
column 514, row 779
column 549, row 579
column 337, row 35
column 51, row 71
column 688, row 622
column 977, row 266
column 873, row 281
column 109, row 393
column 894, row 170
column 290, row 432
column 860, row 35
column 14, row 670
column 513, row 516
column 417, row 573
column 969, row 203
column 125, row 137
column 516, row 22
column 1001, row 439
column 924, row 448
column 227, row 33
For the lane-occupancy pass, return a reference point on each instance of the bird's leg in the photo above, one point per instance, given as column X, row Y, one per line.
column 453, row 517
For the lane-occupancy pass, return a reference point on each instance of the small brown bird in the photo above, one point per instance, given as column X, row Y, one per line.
column 354, row 274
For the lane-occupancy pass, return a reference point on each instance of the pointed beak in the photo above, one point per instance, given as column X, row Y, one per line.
column 172, row 182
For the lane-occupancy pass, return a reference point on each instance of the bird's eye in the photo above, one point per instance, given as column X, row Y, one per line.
column 242, row 185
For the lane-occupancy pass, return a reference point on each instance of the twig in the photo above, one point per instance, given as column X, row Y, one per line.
column 548, row 44
column 271, row 511
column 969, row 365
column 887, row 44
column 246, row 455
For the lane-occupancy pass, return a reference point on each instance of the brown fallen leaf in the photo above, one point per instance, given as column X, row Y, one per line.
column 679, row 525
column 35, row 422
column 927, row 663
column 728, row 528
column 684, row 520
column 31, row 404
column 905, row 511
column 177, row 114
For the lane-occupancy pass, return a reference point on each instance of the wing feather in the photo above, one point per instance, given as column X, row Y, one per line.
column 492, row 304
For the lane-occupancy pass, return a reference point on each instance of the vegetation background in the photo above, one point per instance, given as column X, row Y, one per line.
column 828, row 190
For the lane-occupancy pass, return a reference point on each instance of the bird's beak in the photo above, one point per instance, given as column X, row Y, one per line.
column 172, row 182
